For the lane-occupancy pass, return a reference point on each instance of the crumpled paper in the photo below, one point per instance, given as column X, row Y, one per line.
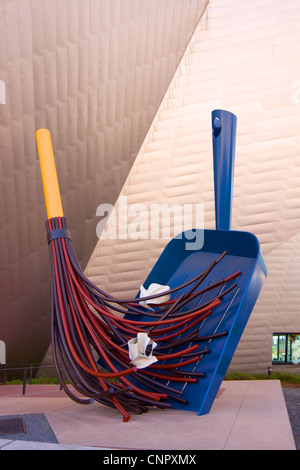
column 154, row 289
column 137, row 351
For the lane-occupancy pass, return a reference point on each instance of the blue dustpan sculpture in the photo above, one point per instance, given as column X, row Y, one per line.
column 179, row 264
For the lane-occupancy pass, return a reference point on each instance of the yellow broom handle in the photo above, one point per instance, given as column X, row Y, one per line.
column 49, row 175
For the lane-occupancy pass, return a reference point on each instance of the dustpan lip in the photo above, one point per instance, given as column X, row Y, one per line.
column 252, row 244
column 174, row 254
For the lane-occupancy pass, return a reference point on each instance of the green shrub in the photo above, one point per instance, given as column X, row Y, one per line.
column 40, row 381
column 282, row 376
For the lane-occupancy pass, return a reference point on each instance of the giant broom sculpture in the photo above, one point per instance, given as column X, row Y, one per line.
column 104, row 346
column 92, row 331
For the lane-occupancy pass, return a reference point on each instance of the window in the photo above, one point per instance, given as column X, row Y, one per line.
column 286, row 348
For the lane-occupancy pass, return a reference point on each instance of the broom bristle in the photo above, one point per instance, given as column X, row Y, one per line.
column 90, row 332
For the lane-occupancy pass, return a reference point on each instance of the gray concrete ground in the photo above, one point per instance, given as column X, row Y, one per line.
column 246, row 415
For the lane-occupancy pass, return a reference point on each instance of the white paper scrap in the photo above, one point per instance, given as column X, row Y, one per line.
column 154, row 289
column 137, row 351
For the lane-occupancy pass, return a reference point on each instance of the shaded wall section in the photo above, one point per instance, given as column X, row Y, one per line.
column 93, row 73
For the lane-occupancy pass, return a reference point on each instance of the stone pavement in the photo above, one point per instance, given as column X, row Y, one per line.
column 246, row 415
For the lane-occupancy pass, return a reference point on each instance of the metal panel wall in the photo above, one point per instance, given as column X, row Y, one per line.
column 244, row 57
column 94, row 73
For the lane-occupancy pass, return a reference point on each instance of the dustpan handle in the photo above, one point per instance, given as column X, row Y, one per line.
column 223, row 136
column 49, row 175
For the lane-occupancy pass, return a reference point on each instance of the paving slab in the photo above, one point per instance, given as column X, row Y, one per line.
column 246, row 415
